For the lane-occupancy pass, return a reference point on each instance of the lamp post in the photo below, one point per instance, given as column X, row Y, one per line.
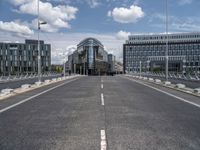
column 167, row 42
column 140, row 68
column 64, row 56
column 39, row 54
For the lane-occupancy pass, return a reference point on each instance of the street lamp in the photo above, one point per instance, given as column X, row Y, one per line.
column 167, row 42
column 39, row 55
column 64, row 58
column 140, row 68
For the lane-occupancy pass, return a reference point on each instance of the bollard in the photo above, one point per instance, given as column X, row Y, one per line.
column 25, row 86
column 167, row 83
column 157, row 81
column 197, row 90
column 151, row 79
column 180, row 86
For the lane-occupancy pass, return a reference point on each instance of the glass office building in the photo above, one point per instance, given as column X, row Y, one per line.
column 111, row 64
column 22, row 58
column 148, row 52
column 90, row 58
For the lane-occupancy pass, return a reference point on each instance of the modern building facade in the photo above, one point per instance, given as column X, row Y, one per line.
column 90, row 58
column 22, row 58
column 111, row 63
column 148, row 52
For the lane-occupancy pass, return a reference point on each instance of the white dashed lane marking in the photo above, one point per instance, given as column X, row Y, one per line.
column 103, row 140
column 102, row 86
column 102, row 99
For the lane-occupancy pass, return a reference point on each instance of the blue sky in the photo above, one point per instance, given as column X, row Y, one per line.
column 111, row 21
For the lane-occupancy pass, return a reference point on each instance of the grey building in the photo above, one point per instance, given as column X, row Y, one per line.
column 22, row 58
column 111, row 63
column 90, row 58
column 148, row 51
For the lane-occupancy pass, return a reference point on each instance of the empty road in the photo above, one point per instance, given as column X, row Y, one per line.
column 100, row 113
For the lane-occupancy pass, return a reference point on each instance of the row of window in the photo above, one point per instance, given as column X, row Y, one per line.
column 163, row 47
column 160, row 53
column 22, row 63
column 159, row 37
column 181, row 41
column 21, row 69
column 23, row 47
column 15, row 52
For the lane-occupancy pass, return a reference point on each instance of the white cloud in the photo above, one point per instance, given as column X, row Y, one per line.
column 126, row 15
column 184, row 2
column 122, row 35
column 56, row 16
column 176, row 24
column 16, row 27
column 93, row 3
column 60, row 55
column 20, row 2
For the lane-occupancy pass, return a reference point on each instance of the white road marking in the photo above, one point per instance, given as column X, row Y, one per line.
column 102, row 80
column 102, row 99
column 172, row 95
column 103, row 140
column 34, row 96
column 102, row 86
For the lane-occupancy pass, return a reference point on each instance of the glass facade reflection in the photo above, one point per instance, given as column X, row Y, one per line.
column 183, row 51
column 90, row 58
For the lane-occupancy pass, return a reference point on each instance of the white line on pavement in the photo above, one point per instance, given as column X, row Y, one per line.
column 102, row 99
column 34, row 96
column 103, row 140
column 172, row 95
column 102, row 86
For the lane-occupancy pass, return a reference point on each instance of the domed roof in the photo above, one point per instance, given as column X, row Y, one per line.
column 87, row 41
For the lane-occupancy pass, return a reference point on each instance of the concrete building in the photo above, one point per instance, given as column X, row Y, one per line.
column 21, row 58
column 90, row 58
column 148, row 51
column 111, row 64
column 118, row 67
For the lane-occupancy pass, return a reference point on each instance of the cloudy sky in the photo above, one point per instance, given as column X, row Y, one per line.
column 110, row 21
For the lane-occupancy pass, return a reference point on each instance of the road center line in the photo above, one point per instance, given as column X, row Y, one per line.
column 102, row 86
column 102, row 99
column 103, row 140
column 34, row 96
column 172, row 95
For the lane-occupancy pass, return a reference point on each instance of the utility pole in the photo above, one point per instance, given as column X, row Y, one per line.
column 167, row 42
column 74, row 68
column 140, row 68
column 64, row 69
column 39, row 56
column 84, row 73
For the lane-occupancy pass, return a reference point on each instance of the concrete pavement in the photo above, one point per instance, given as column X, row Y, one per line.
column 100, row 113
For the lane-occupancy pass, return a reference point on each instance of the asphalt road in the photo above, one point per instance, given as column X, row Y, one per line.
column 18, row 83
column 100, row 113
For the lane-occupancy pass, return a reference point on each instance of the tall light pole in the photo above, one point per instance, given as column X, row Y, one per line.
column 39, row 54
column 167, row 42
column 64, row 69
column 63, row 55
column 140, row 68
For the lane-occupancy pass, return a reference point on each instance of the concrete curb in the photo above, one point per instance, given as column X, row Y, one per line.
column 5, row 93
column 179, row 87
